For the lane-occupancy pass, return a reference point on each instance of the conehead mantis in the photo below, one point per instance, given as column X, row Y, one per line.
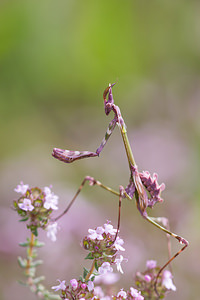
column 143, row 186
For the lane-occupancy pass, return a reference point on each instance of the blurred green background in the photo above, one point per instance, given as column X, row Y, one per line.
column 56, row 59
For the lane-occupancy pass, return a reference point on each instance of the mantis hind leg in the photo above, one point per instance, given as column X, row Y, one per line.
column 181, row 240
column 165, row 222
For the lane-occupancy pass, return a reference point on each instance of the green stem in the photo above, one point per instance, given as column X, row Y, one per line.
column 91, row 271
column 30, row 253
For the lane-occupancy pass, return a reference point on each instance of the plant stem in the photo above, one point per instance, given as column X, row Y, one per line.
column 91, row 270
column 30, row 253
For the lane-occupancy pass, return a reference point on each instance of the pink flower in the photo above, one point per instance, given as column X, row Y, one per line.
column 108, row 278
column 26, row 205
column 122, row 294
column 167, row 280
column 83, row 286
column 96, row 234
column 21, row 188
column 147, row 278
column 61, row 286
column 109, row 229
column 136, row 294
column 105, row 268
column 118, row 244
column 74, row 283
column 118, row 262
column 52, row 231
column 98, row 292
column 51, row 200
column 150, row 264
column 90, row 286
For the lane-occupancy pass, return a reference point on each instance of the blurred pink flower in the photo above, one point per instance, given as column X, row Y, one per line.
column 74, row 283
column 21, row 188
column 118, row 244
column 167, row 280
column 150, row 264
column 109, row 229
column 26, row 205
column 61, row 286
column 51, row 200
column 122, row 294
column 96, row 234
column 52, row 231
column 136, row 294
column 118, row 262
column 105, row 268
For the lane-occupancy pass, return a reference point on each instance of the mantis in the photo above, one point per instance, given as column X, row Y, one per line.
column 142, row 186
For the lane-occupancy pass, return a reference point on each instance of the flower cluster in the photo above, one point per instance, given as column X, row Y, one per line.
column 145, row 281
column 77, row 289
column 36, row 205
column 82, row 291
column 103, row 246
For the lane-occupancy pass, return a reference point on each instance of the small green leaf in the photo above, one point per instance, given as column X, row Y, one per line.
column 38, row 243
column 24, row 219
column 22, row 283
column 22, row 213
column 15, row 204
column 34, row 231
column 36, row 263
column 85, row 272
column 34, row 253
column 31, row 272
column 92, row 278
column 96, row 266
column 24, row 244
column 89, row 256
column 38, row 279
column 22, row 262
column 97, row 255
